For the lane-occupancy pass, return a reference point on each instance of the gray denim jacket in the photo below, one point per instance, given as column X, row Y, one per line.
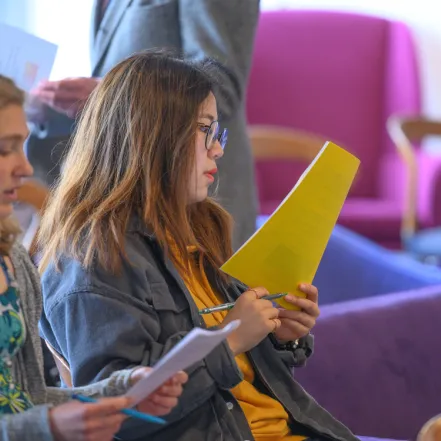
column 102, row 323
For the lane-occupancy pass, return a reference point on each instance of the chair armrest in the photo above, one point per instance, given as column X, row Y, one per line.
column 429, row 189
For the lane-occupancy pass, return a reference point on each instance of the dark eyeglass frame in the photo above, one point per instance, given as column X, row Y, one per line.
column 219, row 135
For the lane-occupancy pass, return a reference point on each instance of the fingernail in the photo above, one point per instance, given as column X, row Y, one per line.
column 302, row 286
column 290, row 298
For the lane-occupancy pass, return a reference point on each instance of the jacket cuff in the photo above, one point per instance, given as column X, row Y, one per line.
column 299, row 354
column 119, row 382
column 304, row 350
column 27, row 426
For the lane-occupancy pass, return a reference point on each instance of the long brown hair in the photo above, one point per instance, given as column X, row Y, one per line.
column 132, row 153
column 10, row 94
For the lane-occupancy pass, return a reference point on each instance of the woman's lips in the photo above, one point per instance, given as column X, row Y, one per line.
column 210, row 174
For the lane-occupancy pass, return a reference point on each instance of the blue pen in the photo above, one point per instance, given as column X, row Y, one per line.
column 129, row 412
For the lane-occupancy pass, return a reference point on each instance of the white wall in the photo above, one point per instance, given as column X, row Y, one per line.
column 13, row 15
column 66, row 22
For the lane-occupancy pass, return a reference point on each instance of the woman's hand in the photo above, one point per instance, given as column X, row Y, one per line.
column 100, row 421
column 76, row 421
column 297, row 324
column 258, row 318
column 164, row 399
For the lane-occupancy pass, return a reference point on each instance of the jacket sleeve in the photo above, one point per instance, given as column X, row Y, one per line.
column 32, row 425
column 224, row 31
column 294, row 358
column 117, row 384
column 100, row 332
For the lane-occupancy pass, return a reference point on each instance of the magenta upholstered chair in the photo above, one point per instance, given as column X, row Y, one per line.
column 339, row 75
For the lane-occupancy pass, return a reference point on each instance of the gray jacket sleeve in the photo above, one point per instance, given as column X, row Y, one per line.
column 117, row 384
column 298, row 357
column 122, row 321
column 136, row 342
column 32, row 425
column 222, row 30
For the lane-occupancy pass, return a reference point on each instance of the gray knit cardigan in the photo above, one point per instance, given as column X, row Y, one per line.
column 33, row 425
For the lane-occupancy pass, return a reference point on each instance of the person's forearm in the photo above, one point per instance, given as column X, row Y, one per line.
column 31, row 425
column 117, row 384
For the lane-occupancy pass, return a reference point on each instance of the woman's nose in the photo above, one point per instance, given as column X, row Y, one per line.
column 24, row 169
column 216, row 151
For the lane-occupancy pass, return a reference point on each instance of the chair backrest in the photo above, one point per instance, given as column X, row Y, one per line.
column 62, row 365
column 336, row 74
column 276, row 149
column 274, row 143
column 407, row 133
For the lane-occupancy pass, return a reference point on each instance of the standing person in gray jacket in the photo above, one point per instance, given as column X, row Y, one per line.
column 222, row 30
column 29, row 411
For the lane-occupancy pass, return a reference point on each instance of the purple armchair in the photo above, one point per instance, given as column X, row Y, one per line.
column 377, row 363
column 341, row 76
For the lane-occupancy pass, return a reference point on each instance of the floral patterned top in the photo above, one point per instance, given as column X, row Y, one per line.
column 12, row 336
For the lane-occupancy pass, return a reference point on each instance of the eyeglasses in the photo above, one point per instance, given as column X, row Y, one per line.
column 213, row 134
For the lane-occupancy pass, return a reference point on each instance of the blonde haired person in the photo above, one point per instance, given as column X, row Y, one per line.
column 29, row 410
column 132, row 248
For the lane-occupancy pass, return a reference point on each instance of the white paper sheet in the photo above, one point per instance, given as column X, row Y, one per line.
column 25, row 58
column 191, row 349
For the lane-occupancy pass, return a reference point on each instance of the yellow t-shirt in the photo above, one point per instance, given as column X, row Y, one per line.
column 267, row 417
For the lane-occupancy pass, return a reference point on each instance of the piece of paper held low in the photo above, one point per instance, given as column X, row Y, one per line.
column 191, row 349
column 25, row 58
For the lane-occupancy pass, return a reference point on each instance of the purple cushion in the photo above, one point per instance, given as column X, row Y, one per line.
column 377, row 363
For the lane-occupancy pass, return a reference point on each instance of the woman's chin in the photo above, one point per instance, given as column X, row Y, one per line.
column 200, row 197
column 6, row 210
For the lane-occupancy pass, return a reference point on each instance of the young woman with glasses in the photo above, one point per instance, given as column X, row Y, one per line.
column 132, row 245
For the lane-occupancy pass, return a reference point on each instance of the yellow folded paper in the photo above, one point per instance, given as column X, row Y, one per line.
column 287, row 249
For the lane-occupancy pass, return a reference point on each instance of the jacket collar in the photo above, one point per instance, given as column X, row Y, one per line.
column 137, row 225
column 103, row 31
